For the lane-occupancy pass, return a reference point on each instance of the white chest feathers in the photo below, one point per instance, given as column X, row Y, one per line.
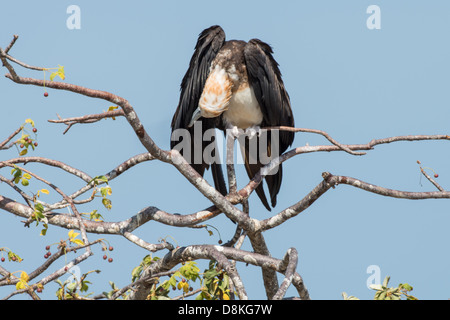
column 243, row 109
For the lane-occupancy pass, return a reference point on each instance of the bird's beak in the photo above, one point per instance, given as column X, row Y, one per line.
column 195, row 116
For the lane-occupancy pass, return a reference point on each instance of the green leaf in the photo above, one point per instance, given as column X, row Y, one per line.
column 224, row 284
column 21, row 285
column 17, row 173
column 44, row 231
column 73, row 235
column 23, row 282
column 112, row 108
column 14, row 257
column 381, row 296
column 24, row 276
column 107, row 203
column 60, row 73
column 190, row 271
column 39, row 207
column 386, row 281
column 72, row 286
column 172, row 281
column 406, row 287
column 99, row 179
column 84, row 286
column 376, row 287
column 106, row 191
column 78, row 242
column 199, row 297
column 39, row 215
column 136, row 273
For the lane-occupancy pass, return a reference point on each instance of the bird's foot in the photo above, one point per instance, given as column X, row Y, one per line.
column 234, row 132
column 252, row 132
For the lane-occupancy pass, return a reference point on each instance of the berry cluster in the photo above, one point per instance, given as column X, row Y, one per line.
column 105, row 257
column 48, row 254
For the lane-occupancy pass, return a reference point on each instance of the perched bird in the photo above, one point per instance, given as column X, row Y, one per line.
column 234, row 85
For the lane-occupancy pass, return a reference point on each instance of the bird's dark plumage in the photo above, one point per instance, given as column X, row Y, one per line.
column 234, row 84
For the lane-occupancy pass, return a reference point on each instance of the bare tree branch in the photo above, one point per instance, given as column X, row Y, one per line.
column 124, row 227
column 91, row 118
column 290, row 265
column 330, row 181
column 430, row 179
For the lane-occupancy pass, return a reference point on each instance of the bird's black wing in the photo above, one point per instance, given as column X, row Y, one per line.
column 208, row 44
column 265, row 79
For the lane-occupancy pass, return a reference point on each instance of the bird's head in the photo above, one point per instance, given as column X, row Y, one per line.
column 215, row 96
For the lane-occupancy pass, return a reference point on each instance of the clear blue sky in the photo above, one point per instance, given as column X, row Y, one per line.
column 357, row 84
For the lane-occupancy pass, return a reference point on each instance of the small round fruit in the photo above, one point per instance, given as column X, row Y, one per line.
column 3, row 259
column 110, row 260
column 35, row 144
column 105, row 257
column 45, row 94
column 34, row 130
column 111, row 248
column 436, row 175
column 47, row 248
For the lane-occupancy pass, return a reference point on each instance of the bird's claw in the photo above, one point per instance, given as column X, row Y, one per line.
column 234, row 132
column 251, row 132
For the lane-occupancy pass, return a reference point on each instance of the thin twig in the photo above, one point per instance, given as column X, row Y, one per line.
column 431, row 180
column 2, row 145
column 15, row 37
column 87, row 119
column 321, row 132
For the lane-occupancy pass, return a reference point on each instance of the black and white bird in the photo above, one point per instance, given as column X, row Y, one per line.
column 234, row 85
